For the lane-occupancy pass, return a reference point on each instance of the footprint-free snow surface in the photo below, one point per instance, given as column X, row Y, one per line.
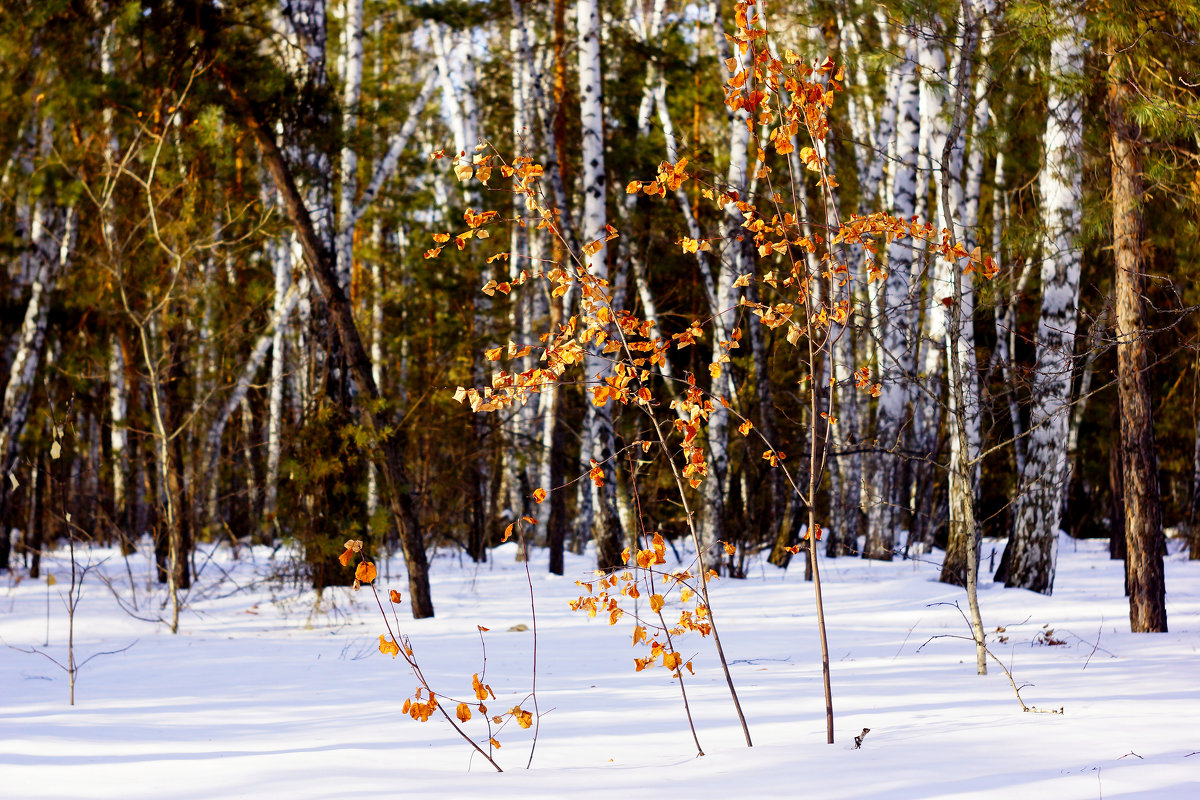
column 266, row 692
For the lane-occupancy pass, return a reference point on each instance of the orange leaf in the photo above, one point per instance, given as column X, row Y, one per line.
column 365, row 572
column 656, row 602
column 507, row 532
column 388, row 646
column 345, row 557
column 394, row 596
column 463, row 713
column 539, row 495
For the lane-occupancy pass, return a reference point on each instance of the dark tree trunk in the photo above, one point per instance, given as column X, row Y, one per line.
column 34, row 532
column 388, row 449
column 1143, row 510
column 1116, row 482
column 179, row 534
column 556, row 525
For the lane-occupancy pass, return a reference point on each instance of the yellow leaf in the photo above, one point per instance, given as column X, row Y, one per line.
column 365, row 572
column 463, row 171
column 539, row 495
column 656, row 603
column 493, row 354
column 388, row 647
column 745, row 427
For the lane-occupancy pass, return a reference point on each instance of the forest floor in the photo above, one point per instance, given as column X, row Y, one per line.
column 266, row 693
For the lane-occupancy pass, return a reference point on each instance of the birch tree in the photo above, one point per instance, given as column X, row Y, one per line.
column 1032, row 550
column 599, row 442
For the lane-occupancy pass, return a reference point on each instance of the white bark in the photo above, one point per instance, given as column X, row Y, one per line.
column 896, row 317
column 348, row 168
column 598, row 437
column 1036, row 521
column 281, row 263
column 51, row 253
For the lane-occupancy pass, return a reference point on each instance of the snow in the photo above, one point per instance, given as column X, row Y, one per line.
column 265, row 694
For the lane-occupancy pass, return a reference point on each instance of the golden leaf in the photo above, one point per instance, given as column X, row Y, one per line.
column 389, row 647
column 656, row 603
column 539, row 495
column 394, row 596
column 463, row 713
column 463, row 171
column 365, row 572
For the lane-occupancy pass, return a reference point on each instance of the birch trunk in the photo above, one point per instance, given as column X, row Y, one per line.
column 281, row 262
column 897, row 323
column 963, row 188
column 51, row 250
column 599, row 438
column 1032, row 549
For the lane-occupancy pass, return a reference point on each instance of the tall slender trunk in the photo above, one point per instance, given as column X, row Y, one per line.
column 388, row 451
column 1031, row 553
column 599, row 437
column 1143, row 509
column 281, row 262
column 51, row 250
column 962, row 186
column 896, row 328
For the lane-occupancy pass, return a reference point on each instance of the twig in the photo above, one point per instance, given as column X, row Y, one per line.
column 858, row 740
column 537, row 715
column 1007, row 672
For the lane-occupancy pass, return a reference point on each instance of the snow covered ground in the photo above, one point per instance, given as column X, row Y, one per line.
column 264, row 694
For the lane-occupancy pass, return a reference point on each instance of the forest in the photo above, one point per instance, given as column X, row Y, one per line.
column 904, row 274
column 670, row 374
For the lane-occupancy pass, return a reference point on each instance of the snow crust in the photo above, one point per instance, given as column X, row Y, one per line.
column 266, row 693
